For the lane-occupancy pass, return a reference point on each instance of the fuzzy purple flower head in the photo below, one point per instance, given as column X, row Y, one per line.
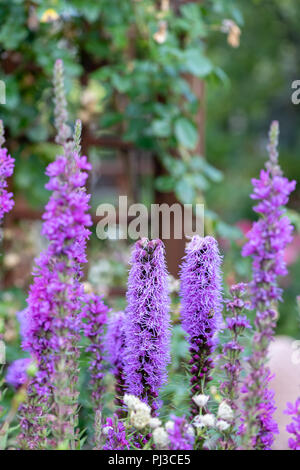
column 147, row 325
column 201, row 307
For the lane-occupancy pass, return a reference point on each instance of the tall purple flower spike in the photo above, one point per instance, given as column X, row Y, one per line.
column 201, row 308
column 6, row 171
column 115, row 346
column 147, row 325
column 267, row 240
column 95, row 315
column 56, row 296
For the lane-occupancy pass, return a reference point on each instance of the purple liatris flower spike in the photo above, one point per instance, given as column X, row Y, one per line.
column 6, row 170
column 17, row 375
column 147, row 326
column 56, row 296
column 266, row 243
column 115, row 345
column 201, row 299
column 294, row 427
column 95, row 317
column 180, row 434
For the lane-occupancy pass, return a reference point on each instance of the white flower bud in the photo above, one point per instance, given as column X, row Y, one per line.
column 169, row 425
column 202, row 421
column 222, row 425
column 200, row 400
column 131, row 401
column 106, row 429
column 154, row 423
column 160, row 438
column 140, row 417
column 225, row 412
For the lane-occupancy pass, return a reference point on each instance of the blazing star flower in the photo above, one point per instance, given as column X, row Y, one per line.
column 201, row 308
column 115, row 345
column 294, row 427
column 147, row 326
column 266, row 243
column 56, row 296
column 95, row 315
column 181, row 435
column 17, row 375
column 6, row 170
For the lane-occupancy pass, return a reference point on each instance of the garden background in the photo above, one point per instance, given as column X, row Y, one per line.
column 176, row 103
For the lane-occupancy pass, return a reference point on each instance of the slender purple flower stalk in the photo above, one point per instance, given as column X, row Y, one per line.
column 95, row 315
column 181, row 434
column 230, row 359
column 115, row 345
column 56, row 296
column 147, row 325
column 201, row 308
column 6, row 170
column 232, row 350
column 294, row 427
column 267, row 240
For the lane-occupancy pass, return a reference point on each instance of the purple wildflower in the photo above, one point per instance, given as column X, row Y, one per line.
column 201, row 307
column 115, row 345
column 95, row 315
column 232, row 349
column 294, row 427
column 115, row 433
column 230, row 359
column 147, row 326
column 181, row 434
column 16, row 375
column 267, row 241
column 56, row 296
column 6, row 170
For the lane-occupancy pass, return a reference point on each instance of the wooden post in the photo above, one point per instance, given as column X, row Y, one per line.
column 175, row 248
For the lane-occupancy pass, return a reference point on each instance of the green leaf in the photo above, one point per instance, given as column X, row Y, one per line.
column 161, row 128
column 186, row 133
column 197, row 64
column 184, row 191
column 164, row 183
column 122, row 84
column 213, row 173
column 199, row 181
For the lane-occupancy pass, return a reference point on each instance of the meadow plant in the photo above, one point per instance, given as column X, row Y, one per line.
column 56, row 296
column 147, row 322
column 267, row 240
column 201, row 309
